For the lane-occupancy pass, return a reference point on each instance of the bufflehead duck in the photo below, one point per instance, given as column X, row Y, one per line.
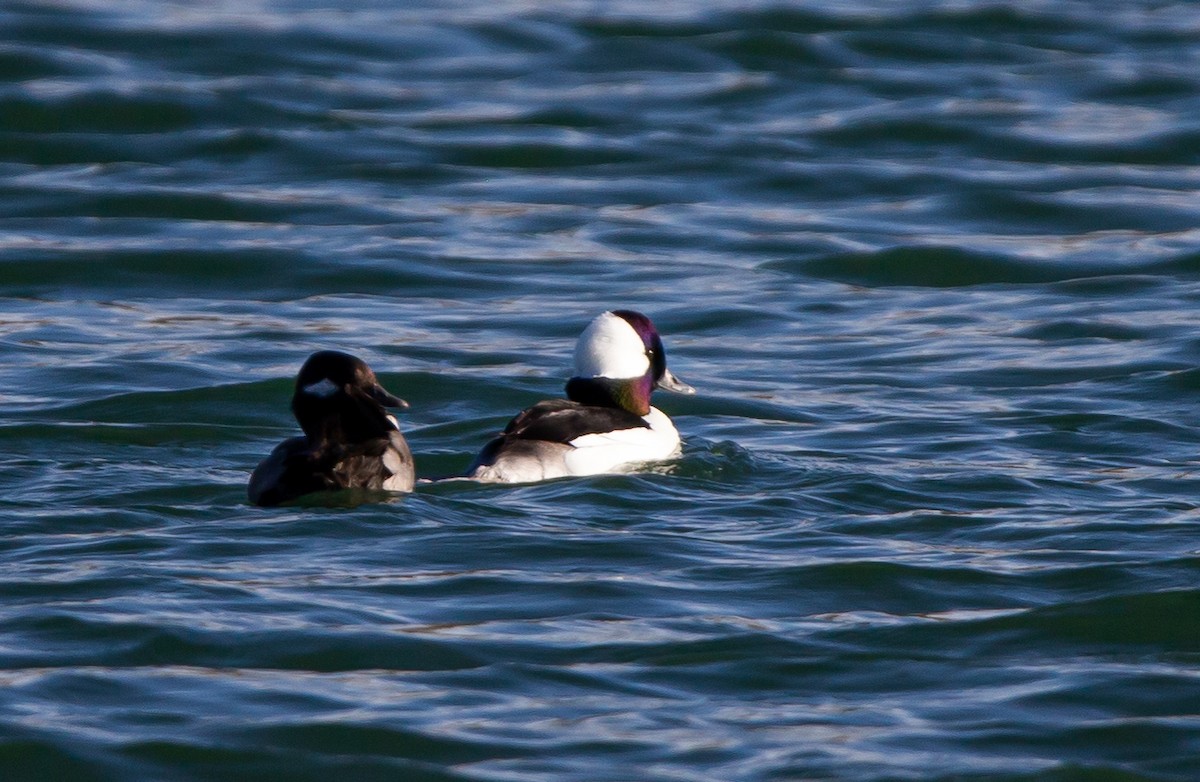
column 349, row 439
column 606, row 421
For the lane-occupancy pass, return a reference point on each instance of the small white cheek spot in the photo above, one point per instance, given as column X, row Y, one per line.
column 322, row 388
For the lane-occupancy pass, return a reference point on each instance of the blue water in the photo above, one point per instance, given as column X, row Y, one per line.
column 934, row 269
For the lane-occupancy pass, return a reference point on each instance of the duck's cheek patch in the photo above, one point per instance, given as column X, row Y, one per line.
column 610, row 347
column 322, row 388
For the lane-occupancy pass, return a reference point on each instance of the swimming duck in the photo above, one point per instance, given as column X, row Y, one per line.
column 605, row 423
column 349, row 439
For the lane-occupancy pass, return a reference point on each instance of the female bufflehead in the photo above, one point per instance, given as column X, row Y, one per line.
column 605, row 422
column 349, row 440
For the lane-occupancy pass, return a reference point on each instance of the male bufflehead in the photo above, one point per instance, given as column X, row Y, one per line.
column 605, row 422
column 349, row 439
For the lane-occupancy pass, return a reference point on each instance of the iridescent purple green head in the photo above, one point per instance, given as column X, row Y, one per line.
column 621, row 350
column 336, row 390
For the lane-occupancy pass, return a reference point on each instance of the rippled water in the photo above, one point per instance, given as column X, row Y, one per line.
column 933, row 267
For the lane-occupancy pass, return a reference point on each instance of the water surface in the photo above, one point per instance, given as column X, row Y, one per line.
column 934, row 269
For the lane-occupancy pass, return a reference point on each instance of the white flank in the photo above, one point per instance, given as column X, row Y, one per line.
column 543, row 462
column 607, row 451
column 610, row 347
column 590, row 454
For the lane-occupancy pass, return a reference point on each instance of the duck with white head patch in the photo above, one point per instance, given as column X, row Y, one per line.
column 349, row 442
column 606, row 423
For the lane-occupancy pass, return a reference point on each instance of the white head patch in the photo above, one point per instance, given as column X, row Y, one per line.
column 322, row 388
column 609, row 347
